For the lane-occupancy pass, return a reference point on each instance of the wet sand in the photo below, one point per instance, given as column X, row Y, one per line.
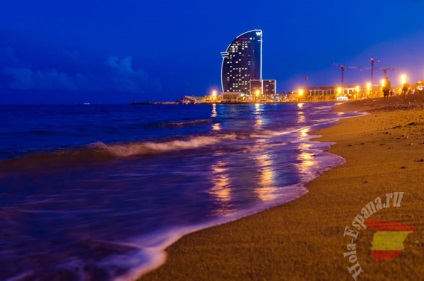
column 303, row 240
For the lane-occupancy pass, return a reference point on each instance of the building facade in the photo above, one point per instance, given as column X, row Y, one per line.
column 231, row 97
column 242, row 62
column 269, row 87
column 263, row 87
column 256, row 87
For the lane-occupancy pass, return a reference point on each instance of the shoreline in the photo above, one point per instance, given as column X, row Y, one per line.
column 303, row 239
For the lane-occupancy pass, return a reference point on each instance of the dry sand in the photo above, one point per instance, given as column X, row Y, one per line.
column 303, row 240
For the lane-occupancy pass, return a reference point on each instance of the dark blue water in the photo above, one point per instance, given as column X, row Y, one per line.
column 96, row 192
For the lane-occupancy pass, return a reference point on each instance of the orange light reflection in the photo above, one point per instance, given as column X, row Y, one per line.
column 221, row 183
column 307, row 158
column 301, row 117
column 304, row 132
column 266, row 189
column 216, row 127
column 214, row 112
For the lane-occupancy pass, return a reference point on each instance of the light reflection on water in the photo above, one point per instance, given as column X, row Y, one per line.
column 301, row 116
column 216, row 127
column 304, row 132
column 214, row 112
column 221, row 188
column 266, row 188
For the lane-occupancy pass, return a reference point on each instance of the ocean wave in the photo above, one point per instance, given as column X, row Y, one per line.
column 99, row 151
column 143, row 148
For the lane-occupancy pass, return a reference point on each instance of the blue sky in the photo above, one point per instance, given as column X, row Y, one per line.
column 122, row 51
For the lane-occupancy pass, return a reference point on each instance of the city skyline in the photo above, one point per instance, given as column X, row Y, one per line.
column 116, row 53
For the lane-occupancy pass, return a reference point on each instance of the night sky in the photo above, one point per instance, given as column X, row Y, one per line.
column 103, row 51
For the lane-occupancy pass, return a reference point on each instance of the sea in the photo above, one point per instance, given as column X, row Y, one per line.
column 97, row 192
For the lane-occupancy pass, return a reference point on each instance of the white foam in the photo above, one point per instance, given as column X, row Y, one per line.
column 132, row 149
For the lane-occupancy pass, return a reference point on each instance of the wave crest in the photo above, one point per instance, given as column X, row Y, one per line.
column 132, row 149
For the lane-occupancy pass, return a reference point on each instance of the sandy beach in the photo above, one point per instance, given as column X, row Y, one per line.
column 304, row 239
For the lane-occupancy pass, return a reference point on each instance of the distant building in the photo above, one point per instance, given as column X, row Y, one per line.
column 256, row 87
column 190, row 100
column 231, row 96
column 242, row 62
column 337, row 92
column 263, row 90
column 269, row 87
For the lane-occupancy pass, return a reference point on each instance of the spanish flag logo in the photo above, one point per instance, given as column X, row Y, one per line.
column 388, row 239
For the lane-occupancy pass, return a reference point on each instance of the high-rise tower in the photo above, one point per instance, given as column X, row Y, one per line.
column 242, row 62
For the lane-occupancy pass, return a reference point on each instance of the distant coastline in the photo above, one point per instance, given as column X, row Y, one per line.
column 261, row 102
column 154, row 102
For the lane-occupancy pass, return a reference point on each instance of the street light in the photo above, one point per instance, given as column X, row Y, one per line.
column 357, row 92
column 368, row 86
column 300, row 93
column 403, row 79
column 339, row 90
column 383, row 82
column 214, row 95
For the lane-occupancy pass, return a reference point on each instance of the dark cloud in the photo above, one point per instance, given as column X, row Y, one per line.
column 115, row 74
column 126, row 78
column 27, row 79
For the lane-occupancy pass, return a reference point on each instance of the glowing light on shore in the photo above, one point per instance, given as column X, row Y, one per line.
column 357, row 89
column 403, row 79
column 214, row 93
column 383, row 82
column 301, row 92
column 339, row 90
column 368, row 86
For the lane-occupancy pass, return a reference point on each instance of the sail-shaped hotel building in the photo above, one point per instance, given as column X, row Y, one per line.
column 242, row 62
column 241, row 71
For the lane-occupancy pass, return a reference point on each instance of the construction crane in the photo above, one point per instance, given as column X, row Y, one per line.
column 373, row 61
column 344, row 67
column 372, row 70
column 387, row 68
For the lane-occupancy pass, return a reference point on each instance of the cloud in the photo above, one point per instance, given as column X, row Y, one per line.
column 125, row 77
column 114, row 75
column 123, row 65
column 27, row 79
